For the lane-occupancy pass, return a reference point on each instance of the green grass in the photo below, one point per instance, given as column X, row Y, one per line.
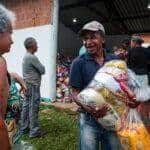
column 61, row 128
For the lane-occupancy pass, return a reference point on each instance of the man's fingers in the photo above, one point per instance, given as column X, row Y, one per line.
column 132, row 104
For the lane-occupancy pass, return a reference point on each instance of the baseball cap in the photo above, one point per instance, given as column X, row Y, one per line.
column 92, row 26
column 137, row 39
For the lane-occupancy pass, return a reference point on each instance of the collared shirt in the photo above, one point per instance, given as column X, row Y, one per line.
column 83, row 69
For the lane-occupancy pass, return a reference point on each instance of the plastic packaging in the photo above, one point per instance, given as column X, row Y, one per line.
column 133, row 133
column 114, row 84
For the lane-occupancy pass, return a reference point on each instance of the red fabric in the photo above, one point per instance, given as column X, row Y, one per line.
column 144, row 110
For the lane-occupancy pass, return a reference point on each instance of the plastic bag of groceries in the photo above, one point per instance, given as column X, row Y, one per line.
column 114, row 84
column 133, row 133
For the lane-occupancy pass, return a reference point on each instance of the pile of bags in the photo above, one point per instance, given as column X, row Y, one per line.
column 62, row 75
column 62, row 84
column 115, row 85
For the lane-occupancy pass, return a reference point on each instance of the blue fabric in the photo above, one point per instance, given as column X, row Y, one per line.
column 83, row 70
column 13, row 99
column 30, row 109
column 82, row 50
column 94, row 137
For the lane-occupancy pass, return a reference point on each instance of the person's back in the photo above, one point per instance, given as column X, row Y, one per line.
column 138, row 59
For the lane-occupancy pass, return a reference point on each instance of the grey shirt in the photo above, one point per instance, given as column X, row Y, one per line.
column 32, row 69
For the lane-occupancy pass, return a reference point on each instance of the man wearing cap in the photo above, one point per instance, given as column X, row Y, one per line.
column 138, row 61
column 138, row 56
column 82, row 71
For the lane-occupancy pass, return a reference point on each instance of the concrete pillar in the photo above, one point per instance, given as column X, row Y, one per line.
column 53, row 50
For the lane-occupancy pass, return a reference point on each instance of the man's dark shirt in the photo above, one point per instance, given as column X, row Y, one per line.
column 138, row 60
column 83, row 69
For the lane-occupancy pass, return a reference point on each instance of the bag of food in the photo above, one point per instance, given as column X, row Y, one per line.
column 111, row 85
column 92, row 97
column 133, row 133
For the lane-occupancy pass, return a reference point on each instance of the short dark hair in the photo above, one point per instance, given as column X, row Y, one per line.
column 28, row 43
column 125, row 41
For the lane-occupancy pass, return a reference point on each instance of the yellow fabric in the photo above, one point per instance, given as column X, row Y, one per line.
column 12, row 129
column 136, row 137
column 117, row 63
column 110, row 98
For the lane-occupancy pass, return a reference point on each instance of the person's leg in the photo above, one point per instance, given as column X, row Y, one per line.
column 89, row 133
column 25, row 112
column 110, row 141
column 33, row 110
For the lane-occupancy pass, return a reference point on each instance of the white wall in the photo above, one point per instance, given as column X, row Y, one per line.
column 44, row 37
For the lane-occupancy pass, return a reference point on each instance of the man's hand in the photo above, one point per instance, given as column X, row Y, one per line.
column 97, row 112
column 23, row 89
column 101, row 111
column 132, row 104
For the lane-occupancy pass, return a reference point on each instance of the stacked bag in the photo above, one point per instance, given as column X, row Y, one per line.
column 115, row 85
column 62, row 77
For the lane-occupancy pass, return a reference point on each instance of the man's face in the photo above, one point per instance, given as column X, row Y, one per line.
column 119, row 51
column 93, row 42
column 34, row 48
column 5, row 41
column 125, row 46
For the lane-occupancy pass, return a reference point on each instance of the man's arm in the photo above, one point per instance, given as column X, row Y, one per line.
column 76, row 76
column 20, row 81
column 97, row 113
column 37, row 64
column 74, row 96
column 76, row 82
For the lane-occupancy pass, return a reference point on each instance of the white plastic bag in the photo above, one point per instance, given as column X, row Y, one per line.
column 114, row 84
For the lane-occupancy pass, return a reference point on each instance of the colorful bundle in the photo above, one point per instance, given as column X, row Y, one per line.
column 115, row 85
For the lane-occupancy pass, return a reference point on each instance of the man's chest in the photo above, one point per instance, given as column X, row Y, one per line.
column 89, row 69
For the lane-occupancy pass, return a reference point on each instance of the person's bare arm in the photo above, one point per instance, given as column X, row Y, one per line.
column 4, row 87
column 20, row 81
